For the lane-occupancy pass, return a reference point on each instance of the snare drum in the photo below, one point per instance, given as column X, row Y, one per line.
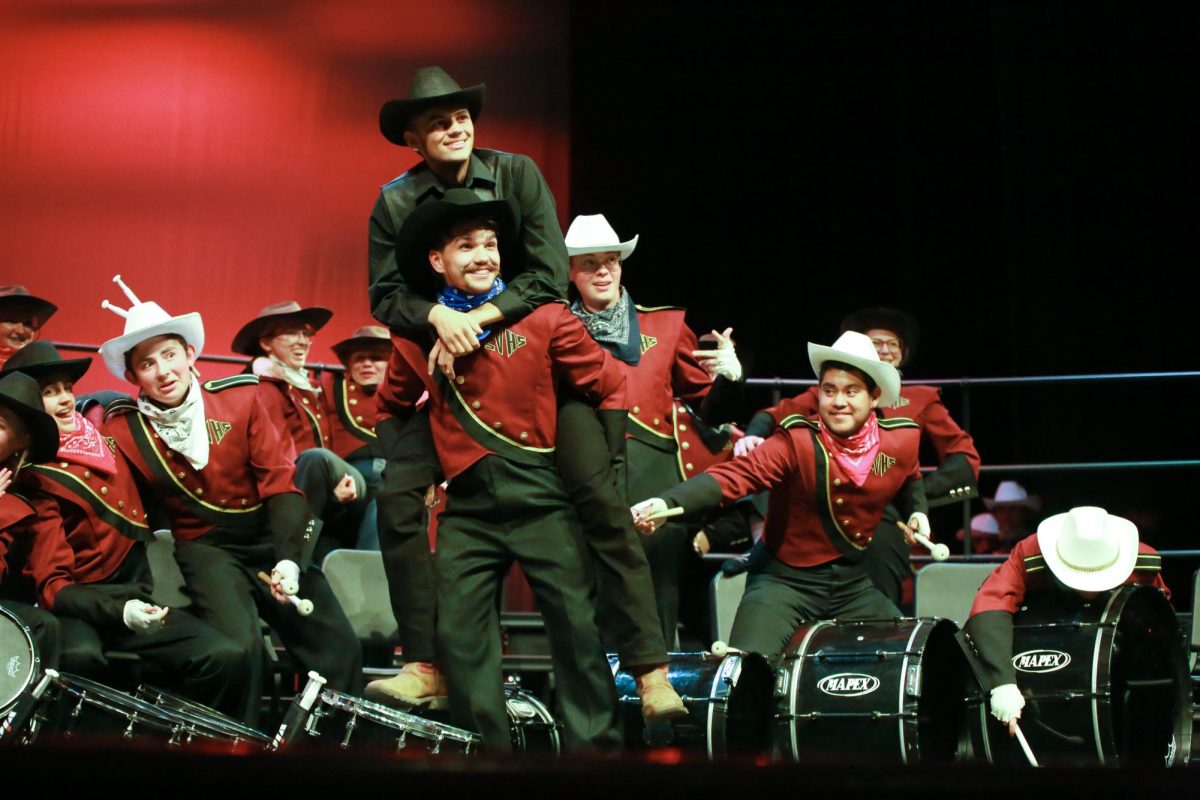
column 355, row 722
column 1106, row 682
column 888, row 691
column 19, row 663
column 76, row 706
column 729, row 702
column 204, row 722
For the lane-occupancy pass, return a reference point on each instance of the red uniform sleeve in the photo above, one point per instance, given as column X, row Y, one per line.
column 272, row 458
column 51, row 559
column 585, row 364
column 763, row 468
column 946, row 436
column 689, row 381
column 1004, row 589
column 804, row 404
column 402, row 386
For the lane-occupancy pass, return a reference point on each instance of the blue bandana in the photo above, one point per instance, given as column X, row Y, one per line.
column 459, row 300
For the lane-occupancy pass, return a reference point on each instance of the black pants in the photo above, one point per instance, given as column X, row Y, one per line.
column 498, row 512
column 779, row 598
column 200, row 663
column 318, row 470
column 227, row 594
column 627, row 593
column 888, row 560
column 651, row 470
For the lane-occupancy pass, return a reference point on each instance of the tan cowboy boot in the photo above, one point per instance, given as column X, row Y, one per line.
column 660, row 701
column 417, row 684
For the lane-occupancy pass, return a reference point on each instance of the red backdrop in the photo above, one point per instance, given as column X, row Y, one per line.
column 222, row 155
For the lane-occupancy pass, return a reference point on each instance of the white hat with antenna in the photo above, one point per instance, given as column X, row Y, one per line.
column 145, row 321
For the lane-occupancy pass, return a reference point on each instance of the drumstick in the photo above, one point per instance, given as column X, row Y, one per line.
column 303, row 607
column 940, row 552
column 664, row 514
column 1024, row 744
column 720, row 649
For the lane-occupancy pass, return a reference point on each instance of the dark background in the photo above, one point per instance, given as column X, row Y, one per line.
column 1020, row 176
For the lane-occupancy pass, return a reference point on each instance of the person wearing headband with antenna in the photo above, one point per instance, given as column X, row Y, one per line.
column 830, row 478
column 216, row 459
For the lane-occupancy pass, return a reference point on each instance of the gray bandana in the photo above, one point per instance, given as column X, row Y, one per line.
column 610, row 325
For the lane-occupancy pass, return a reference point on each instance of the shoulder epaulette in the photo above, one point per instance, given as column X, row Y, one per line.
column 220, row 384
column 887, row 423
column 1149, row 562
column 658, row 308
column 1035, row 563
column 116, row 408
column 796, row 420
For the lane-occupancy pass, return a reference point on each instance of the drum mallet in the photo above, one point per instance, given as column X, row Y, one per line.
column 303, row 607
column 299, row 711
column 720, row 649
column 939, row 552
column 1024, row 744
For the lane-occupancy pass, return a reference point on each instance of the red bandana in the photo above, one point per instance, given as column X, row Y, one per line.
column 855, row 454
column 86, row 447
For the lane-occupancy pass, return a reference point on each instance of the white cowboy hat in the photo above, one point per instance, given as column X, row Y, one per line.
column 591, row 233
column 1013, row 494
column 1089, row 549
column 145, row 321
column 982, row 524
column 855, row 349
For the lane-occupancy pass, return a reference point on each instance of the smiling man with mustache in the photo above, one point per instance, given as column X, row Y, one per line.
column 22, row 316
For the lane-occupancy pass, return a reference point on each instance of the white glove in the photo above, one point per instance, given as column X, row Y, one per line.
column 1007, row 702
column 647, row 508
column 745, row 444
column 286, row 576
column 723, row 361
column 919, row 523
column 141, row 617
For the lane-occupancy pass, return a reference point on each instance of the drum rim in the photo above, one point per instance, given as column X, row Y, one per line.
column 391, row 717
column 35, row 661
column 199, row 714
column 109, row 699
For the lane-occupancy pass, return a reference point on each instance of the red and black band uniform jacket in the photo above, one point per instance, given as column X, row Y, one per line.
column 958, row 460
column 87, row 556
column 15, row 513
column 302, row 416
column 352, row 411
column 1025, row 574
column 247, row 485
column 816, row 514
column 503, row 399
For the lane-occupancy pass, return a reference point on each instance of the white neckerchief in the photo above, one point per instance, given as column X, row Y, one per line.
column 296, row 377
column 182, row 428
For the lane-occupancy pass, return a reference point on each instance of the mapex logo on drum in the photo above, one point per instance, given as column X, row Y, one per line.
column 1040, row 661
column 848, row 684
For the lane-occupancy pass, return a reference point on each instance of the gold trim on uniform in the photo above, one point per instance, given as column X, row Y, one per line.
column 462, row 401
column 167, row 468
column 505, row 343
column 883, row 462
column 829, row 499
column 217, row 430
column 648, row 342
column 82, row 485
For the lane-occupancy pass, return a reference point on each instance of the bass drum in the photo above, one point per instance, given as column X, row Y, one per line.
column 887, row 691
column 1106, row 683
column 19, row 663
column 729, row 702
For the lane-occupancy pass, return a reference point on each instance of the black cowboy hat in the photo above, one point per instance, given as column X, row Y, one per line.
column 274, row 315
column 903, row 324
column 368, row 337
column 18, row 297
column 39, row 360
column 430, row 88
column 20, row 393
column 431, row 219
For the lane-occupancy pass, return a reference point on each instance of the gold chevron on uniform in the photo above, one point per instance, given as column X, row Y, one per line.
column 648, row 342
column 900, row 402
column 883, row 462
column 505, row 343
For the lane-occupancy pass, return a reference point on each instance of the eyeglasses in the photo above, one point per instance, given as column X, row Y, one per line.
column 891, row 344
column 295, row 334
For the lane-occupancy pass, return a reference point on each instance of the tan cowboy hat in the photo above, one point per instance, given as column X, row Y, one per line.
column 18, row 297
column 246, row 340
column 591, row 233
column 368, row 337
column 1089, row 549
column 430, row 88
column 145, row 321
column 1011, row 493
column 855, row 349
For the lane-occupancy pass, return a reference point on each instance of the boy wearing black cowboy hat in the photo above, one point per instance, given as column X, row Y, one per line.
column 494, row 429
column 895, row 335
column 278, row 340
column 88, row 556
column 830, row 479
column 22, row 316
column 26, row 433
column 224, row 475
